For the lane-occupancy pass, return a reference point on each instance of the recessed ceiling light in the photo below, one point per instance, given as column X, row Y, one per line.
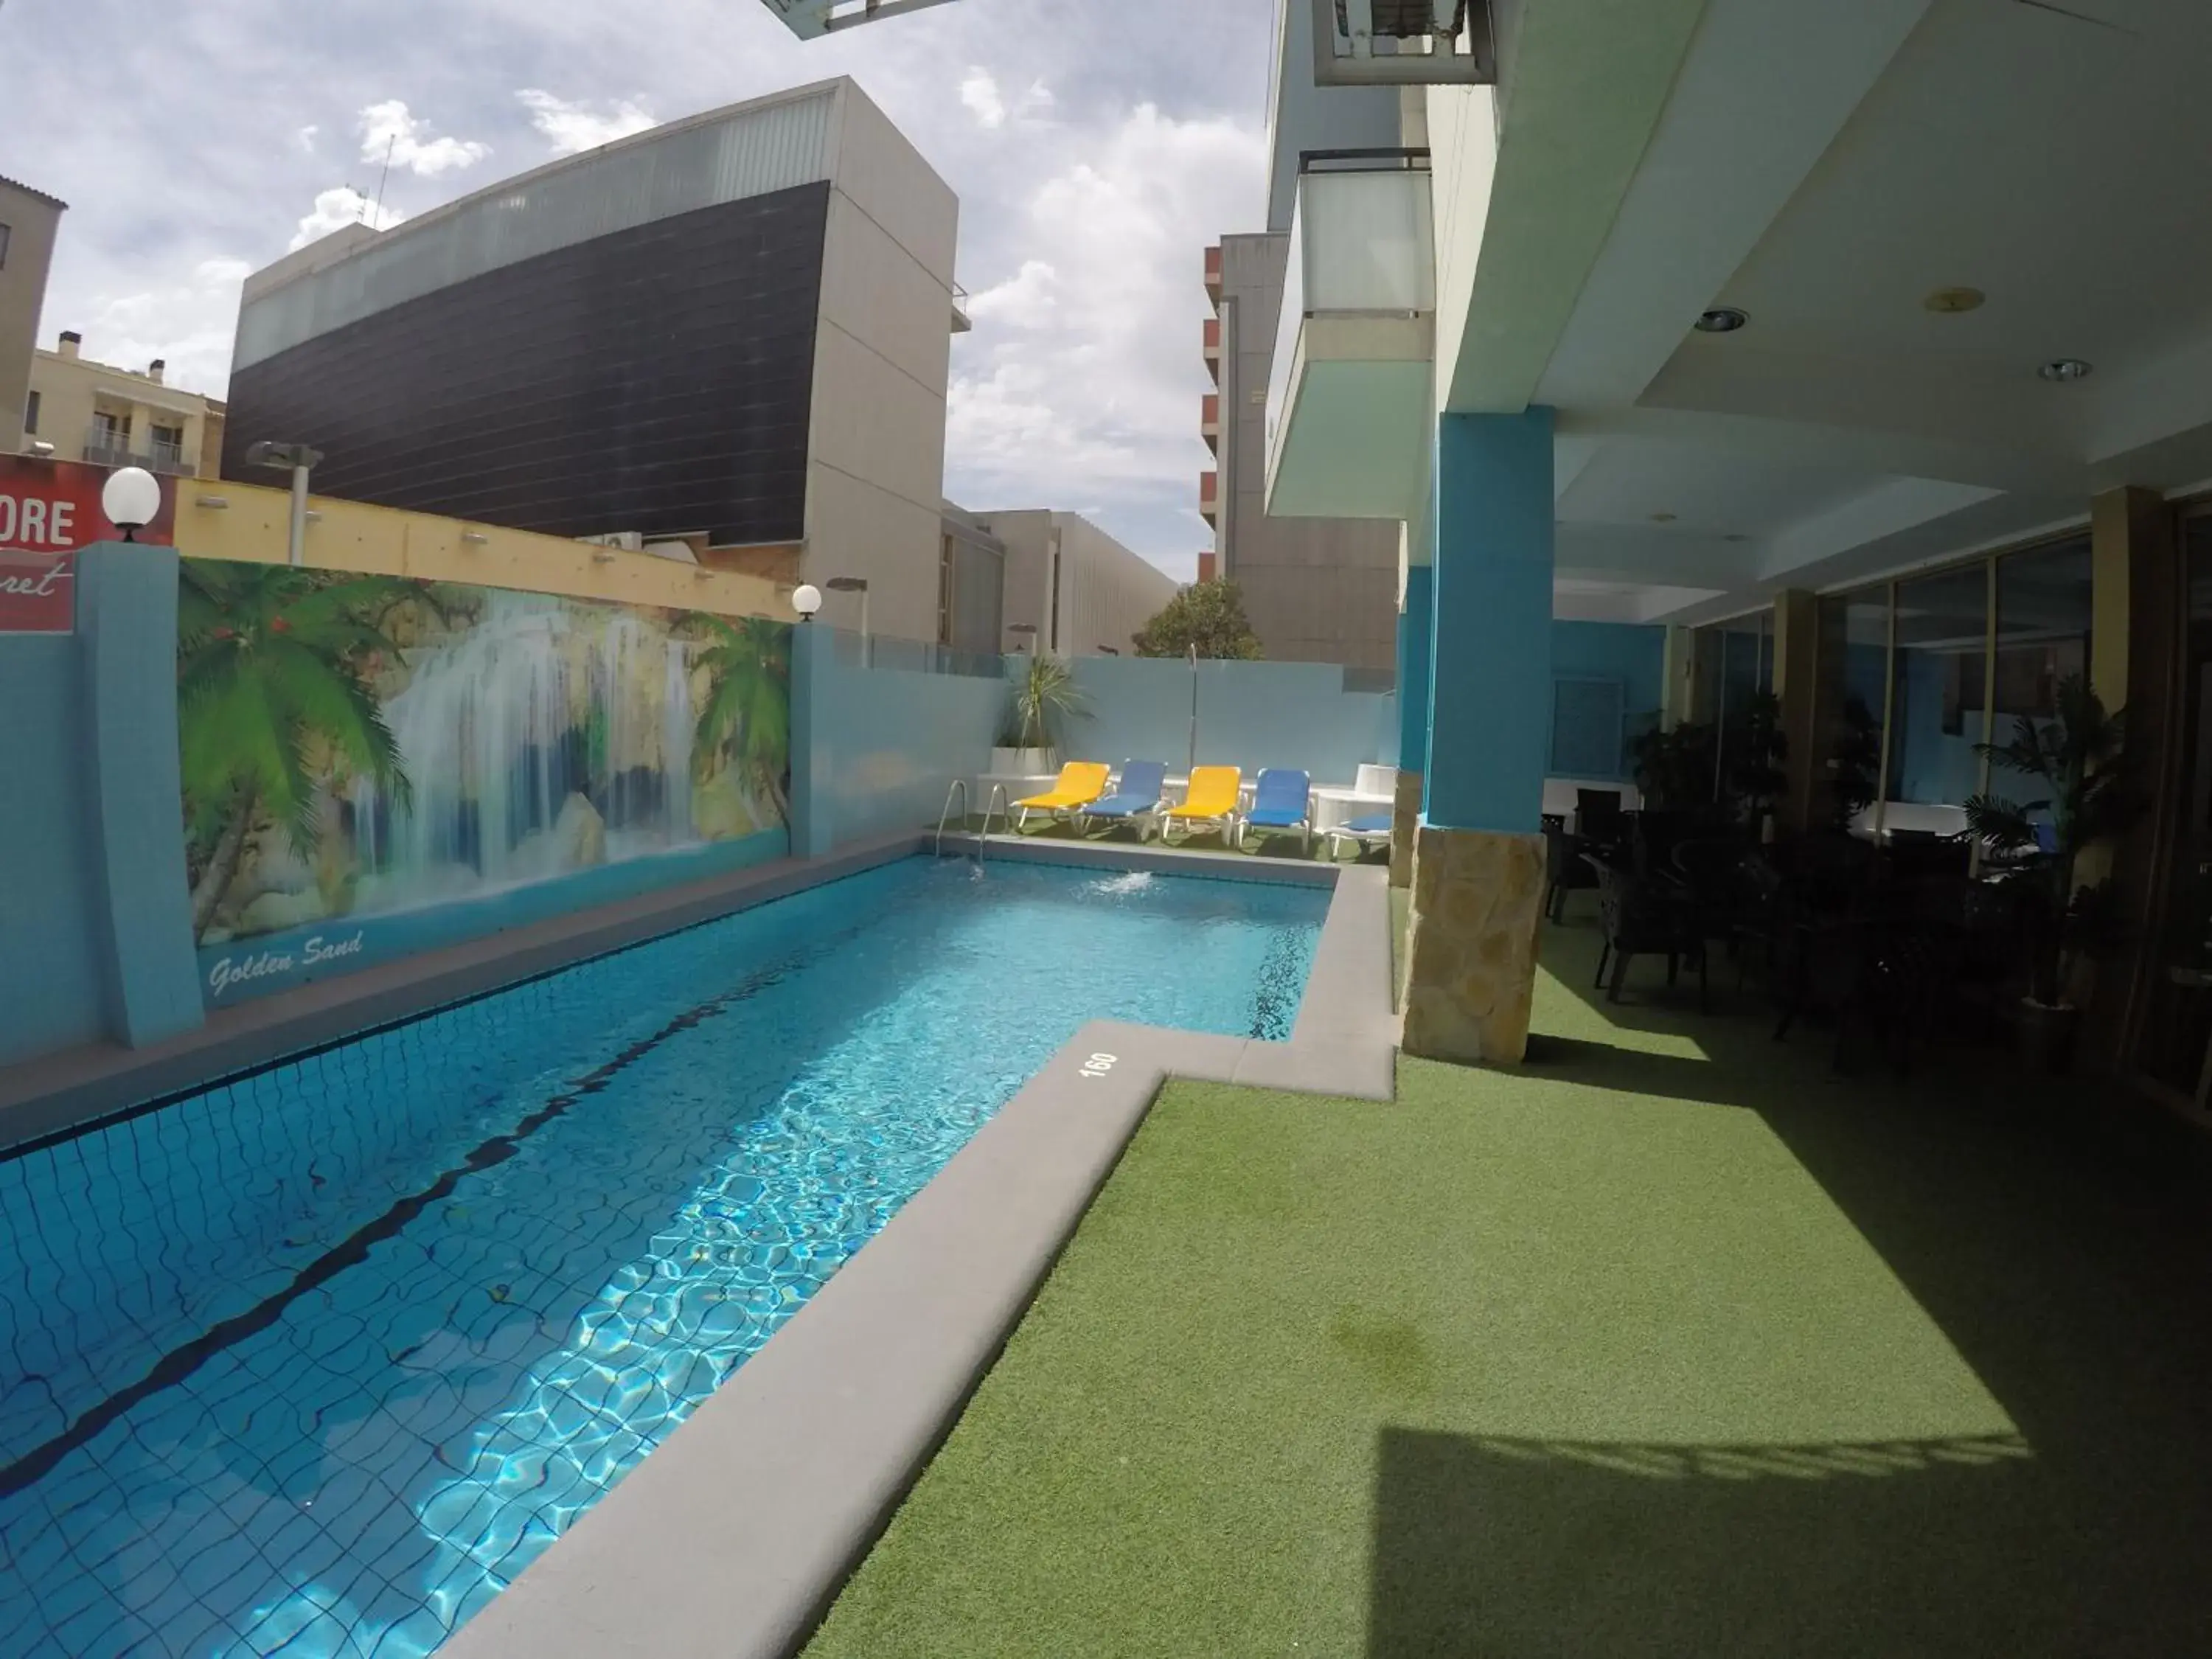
column 1662, row 518
column 1722, row 319
column 2066, row 368
column 1950, row 301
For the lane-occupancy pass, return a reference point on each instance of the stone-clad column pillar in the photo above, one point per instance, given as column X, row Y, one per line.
column 1416, row 628
column 1478, row 877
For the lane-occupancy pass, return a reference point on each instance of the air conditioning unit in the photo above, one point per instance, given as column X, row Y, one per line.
column 1400, row 43
column 810, row 19
column 623, row 541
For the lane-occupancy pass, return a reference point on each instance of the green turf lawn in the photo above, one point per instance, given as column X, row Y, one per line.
column 1672, row 1343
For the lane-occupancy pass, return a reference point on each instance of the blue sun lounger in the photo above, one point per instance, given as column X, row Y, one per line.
column 1135, row 799
column 1282, row 800
column 1369, row 831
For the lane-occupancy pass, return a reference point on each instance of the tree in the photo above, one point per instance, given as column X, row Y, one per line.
column 747, row 718
column 1209, row 616
column 272, row 659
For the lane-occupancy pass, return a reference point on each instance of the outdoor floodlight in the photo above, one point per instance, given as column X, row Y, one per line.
column 810, row 19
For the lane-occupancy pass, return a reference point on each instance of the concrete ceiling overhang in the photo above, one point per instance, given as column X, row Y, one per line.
column 1356, row 427
column 1826, row 168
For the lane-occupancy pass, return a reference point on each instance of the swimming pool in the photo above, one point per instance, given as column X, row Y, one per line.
column 317, row 1360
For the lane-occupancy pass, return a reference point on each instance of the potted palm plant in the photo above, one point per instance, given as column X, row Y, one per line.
column 1044, row 692
column 2075, row 761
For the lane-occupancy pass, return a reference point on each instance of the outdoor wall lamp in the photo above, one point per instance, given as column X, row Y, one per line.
column 806, row 599
column 132, row 499
column 299, row 459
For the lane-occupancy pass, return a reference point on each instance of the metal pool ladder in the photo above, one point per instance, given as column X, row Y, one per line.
column 958, row 791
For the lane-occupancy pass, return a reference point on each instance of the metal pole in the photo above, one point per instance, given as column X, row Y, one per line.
column 1191, row 765
column 298, row 546
column 868, row 640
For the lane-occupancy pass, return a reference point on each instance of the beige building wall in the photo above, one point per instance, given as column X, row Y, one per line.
column 1084, row 593
column 1316, row 590
column 882, row 360
column 253, row 522
column 33, row 221
column 73, row 390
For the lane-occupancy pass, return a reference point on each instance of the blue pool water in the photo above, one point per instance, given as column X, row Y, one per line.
column 317, row 1361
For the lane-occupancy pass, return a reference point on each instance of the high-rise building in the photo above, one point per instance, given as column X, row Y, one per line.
column 732, row 330
column 29, row 220
column 1316, row 590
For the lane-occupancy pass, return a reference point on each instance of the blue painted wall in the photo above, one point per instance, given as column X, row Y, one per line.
column 882, row 745
column 51, row 994
column 1633, row 657
column 1251, row 714
column 1490, row 725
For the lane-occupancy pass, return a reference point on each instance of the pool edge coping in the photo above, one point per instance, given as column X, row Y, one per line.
column 789, row 1473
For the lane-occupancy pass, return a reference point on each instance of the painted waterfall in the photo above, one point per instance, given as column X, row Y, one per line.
column 357, row 747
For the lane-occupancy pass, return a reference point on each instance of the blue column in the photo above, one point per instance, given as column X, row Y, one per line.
column 1490, row 711
column 126, row 622
column 1416, row 629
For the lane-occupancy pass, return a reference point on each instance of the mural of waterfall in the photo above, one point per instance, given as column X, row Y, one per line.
column 362, row 746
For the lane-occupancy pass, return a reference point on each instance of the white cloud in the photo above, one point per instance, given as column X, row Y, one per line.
column 189, row 324
column 980, row 97
column 572, row 127
column 1024, row 300
column 1084, row 376
column 306, row 139
column 388, row 128
column 979, row 94
column 338, row 207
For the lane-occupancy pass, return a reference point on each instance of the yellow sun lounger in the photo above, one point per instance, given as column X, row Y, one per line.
column 1080, row 783
column 1210, row 801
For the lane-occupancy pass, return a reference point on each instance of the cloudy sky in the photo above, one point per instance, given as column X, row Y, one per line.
column 1097, row 147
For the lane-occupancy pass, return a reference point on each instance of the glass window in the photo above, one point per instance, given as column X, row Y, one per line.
column 2176, row 1043
column 31, row 414
column 6, row 236
column 1854, row 657
column 2044, row 608
column 1938, row 715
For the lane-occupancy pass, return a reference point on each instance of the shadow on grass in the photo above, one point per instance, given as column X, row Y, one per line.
column 1969, row 1546
column 2055, row 1232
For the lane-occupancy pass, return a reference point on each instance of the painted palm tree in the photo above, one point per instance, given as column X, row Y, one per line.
column 746, row 719
column 271, row 661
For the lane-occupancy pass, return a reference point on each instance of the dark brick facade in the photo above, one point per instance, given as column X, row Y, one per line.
column 658, row 379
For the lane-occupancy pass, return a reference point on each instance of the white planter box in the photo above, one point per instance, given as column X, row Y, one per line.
column 1023, row 763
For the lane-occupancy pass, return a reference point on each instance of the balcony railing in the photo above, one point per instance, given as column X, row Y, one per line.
column 1359, row 300
column 105, row 448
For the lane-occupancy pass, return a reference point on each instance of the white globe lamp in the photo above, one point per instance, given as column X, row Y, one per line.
column 806, row 601
column 132, row 499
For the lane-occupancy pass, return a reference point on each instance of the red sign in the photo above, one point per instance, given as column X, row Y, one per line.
column 48, row 509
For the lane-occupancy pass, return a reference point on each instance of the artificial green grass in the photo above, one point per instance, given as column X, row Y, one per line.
column 1671, row 1343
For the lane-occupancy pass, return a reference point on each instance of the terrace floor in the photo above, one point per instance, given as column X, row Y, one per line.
column 1674, row 1342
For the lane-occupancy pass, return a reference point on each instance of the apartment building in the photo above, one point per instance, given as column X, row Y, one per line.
column 1317, row 589
column 732, row 330
column 114, row 416
column 1072, row 589
column 29, row 222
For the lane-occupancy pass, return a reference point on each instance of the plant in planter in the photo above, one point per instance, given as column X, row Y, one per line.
column 1044, row 694
column 1674, row 767
column 1757, row 752
column 1853, row 763
column 2076, row 760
